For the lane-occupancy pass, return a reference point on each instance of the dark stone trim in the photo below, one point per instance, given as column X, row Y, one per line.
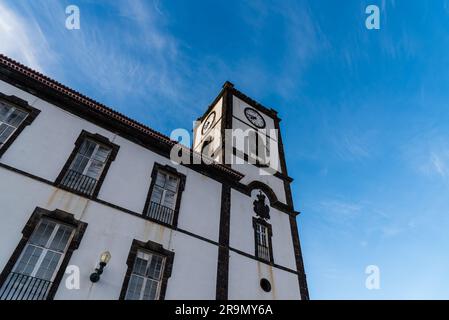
column 215, row 243
column 265, row 188
column 226, row 122
column 281, row 147
column 182, row 182
column 248, row 160
column 106, row 118
column 139, row 215
column 21, row 104
column 283, row 177
column 302, row 280
column 212, row 105
column 274, row 265
column 136, row 214
column 100, row 139
column 274, row 202
column 26, row 174
column 270, row 235
column 287, row 189
column 256, row 105
column 223, row 246
column 152, row 247
column 207, row 137
column 229, row 86
column 111, row 205
column 38, row 215
column 240, row 188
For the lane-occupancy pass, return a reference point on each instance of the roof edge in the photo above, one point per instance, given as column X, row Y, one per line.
column 99, row 107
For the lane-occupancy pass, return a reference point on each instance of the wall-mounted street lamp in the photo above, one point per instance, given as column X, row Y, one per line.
column 104, row 259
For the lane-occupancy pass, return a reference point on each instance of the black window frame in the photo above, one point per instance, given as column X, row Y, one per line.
column 264, row 223
column 182, row 181
column 38, row 215
column 20, row 104
column 151, row 247
column 79, row 141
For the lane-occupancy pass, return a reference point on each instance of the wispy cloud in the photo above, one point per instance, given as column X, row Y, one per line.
column 339, row 208
column 391, row 231
column 439, row 163
column 350, row 146
column 434, row 163
column 127, row 58
column 362, row 219
column 22, row 39
column 305, row 41
column 299, row 41
column 427, row 154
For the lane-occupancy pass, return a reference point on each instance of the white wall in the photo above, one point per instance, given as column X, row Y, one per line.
column 238, row 111
column 245, row 275
column 195, row 261
column 252, row 172
column 200, row 206
column 242, row 232
column 214, row 133
column 43, row 148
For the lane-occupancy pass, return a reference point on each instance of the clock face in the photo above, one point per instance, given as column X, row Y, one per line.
column 208, row 123
column 255, row 118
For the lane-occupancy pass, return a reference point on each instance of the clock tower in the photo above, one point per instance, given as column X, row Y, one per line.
column 244, row 135
column 241, row 133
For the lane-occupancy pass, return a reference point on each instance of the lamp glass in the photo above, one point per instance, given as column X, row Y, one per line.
column 105, row 257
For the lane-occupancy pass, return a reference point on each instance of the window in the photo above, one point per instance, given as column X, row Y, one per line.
column 10, row 119
column 263, row 248
column 165, row 190
column 15, row 115
column 164, row 195
column 145, row 281
column 262, row 235
column 39, row 260
column 34, row 272
column 149, row 267
column 86, row 168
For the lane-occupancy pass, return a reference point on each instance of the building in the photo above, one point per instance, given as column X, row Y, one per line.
column 79, row 181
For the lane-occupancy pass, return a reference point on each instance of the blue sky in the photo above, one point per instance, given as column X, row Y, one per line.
column 365, row 112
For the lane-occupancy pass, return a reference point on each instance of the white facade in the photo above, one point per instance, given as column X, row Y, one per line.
column 114, row 217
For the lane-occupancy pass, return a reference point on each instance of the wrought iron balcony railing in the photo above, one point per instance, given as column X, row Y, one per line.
column 22, row 287
column 263, row 252
column 160, row 213
column 76, row 181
